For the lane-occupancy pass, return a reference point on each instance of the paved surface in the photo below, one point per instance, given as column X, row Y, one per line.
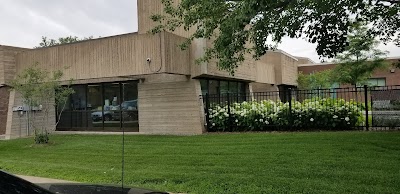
column 41, row 180
column 34, row 179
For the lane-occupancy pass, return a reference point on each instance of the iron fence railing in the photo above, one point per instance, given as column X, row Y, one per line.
column 321, row 109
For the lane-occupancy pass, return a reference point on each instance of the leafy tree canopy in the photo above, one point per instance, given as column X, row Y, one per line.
column 360, row 58
column 62, row 40
column 317, row 80
column 238, row 22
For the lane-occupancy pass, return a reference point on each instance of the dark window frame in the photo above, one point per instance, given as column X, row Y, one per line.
column 87, row 111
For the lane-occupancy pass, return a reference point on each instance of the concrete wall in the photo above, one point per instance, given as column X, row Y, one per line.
column 8, row 63
column 117, row 56
column 285, row 67
column 172, row 106
column 17, row 125
column 147, row 8
column 4, row 97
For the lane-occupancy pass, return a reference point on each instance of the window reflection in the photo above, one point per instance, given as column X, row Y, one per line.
column 102, row 107
column 95, row 106
column 218, row 90
column 213, row 87
column 204, row 86
column 129, row 107
column 111, row 106
column 224, row 87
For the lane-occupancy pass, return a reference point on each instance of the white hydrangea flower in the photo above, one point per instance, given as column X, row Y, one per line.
column 213, row 124
column 236, row 121
column 335, row 116
column 312, row 119
column 266, row 122
column 242, row 114
column 220, row 117
column 347, row 119
column 261, row 120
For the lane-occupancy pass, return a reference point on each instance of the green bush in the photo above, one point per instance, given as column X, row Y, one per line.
column 311, row 114
column 41, row 137
column 386, row 121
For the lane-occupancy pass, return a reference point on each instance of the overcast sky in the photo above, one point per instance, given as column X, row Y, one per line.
column 24, row 22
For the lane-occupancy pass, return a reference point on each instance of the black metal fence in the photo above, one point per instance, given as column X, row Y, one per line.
column 321, row 109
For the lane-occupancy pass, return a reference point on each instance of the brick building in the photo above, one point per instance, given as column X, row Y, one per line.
column 385, row 77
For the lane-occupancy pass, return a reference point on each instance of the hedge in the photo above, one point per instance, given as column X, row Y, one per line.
column 311, row 114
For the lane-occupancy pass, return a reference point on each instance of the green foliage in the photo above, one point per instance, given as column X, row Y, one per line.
column 41, row 89
column 41, row 137
column 316, row 80
column 241, row 27
column 62, row 40
column 360, row 58
column 316, row 113
column 386, row 121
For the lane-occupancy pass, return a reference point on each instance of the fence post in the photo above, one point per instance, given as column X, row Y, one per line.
column 207, row 112
column 229, row 112
column 366, row 107
column 290, row 107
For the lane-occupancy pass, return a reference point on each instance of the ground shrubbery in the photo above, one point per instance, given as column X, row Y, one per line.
column 311, row 114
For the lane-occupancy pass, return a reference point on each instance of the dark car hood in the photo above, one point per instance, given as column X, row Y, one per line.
column 10, row 184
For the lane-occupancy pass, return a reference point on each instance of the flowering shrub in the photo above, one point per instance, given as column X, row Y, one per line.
column 310, row 114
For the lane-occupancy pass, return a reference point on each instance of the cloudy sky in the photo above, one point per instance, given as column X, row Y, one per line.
column 24, row 22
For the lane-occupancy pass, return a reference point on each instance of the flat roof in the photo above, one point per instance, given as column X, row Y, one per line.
column 285, row 53
column 14, row 47
column 81, row 41
column 305, row 58
column 332, row 63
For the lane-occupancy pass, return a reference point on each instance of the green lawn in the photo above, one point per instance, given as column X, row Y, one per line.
column 317, row 162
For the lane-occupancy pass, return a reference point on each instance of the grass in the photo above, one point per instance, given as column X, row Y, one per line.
column 317, row 162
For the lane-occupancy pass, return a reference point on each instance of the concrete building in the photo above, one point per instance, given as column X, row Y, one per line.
column 138, row 81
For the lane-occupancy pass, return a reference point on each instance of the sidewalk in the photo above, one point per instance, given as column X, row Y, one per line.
column 39, row 180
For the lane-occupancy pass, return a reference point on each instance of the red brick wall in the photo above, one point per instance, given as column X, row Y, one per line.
column 391, row 78
column 4, row 97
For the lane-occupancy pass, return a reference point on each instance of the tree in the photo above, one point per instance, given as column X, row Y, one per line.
column 237, row 23
column 62, row 40
column 360, row 58
column 317, row 80
column 41, row 91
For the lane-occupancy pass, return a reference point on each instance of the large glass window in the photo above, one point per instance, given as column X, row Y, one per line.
column 222, row 87
column 204, row 86
column 103, row 106
column 241, row 87
column 95, row 106
column 213, row 87
column 79, row 116
column 233, row 87
column 376, row 82
column 129, row 106
column 111, row 106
